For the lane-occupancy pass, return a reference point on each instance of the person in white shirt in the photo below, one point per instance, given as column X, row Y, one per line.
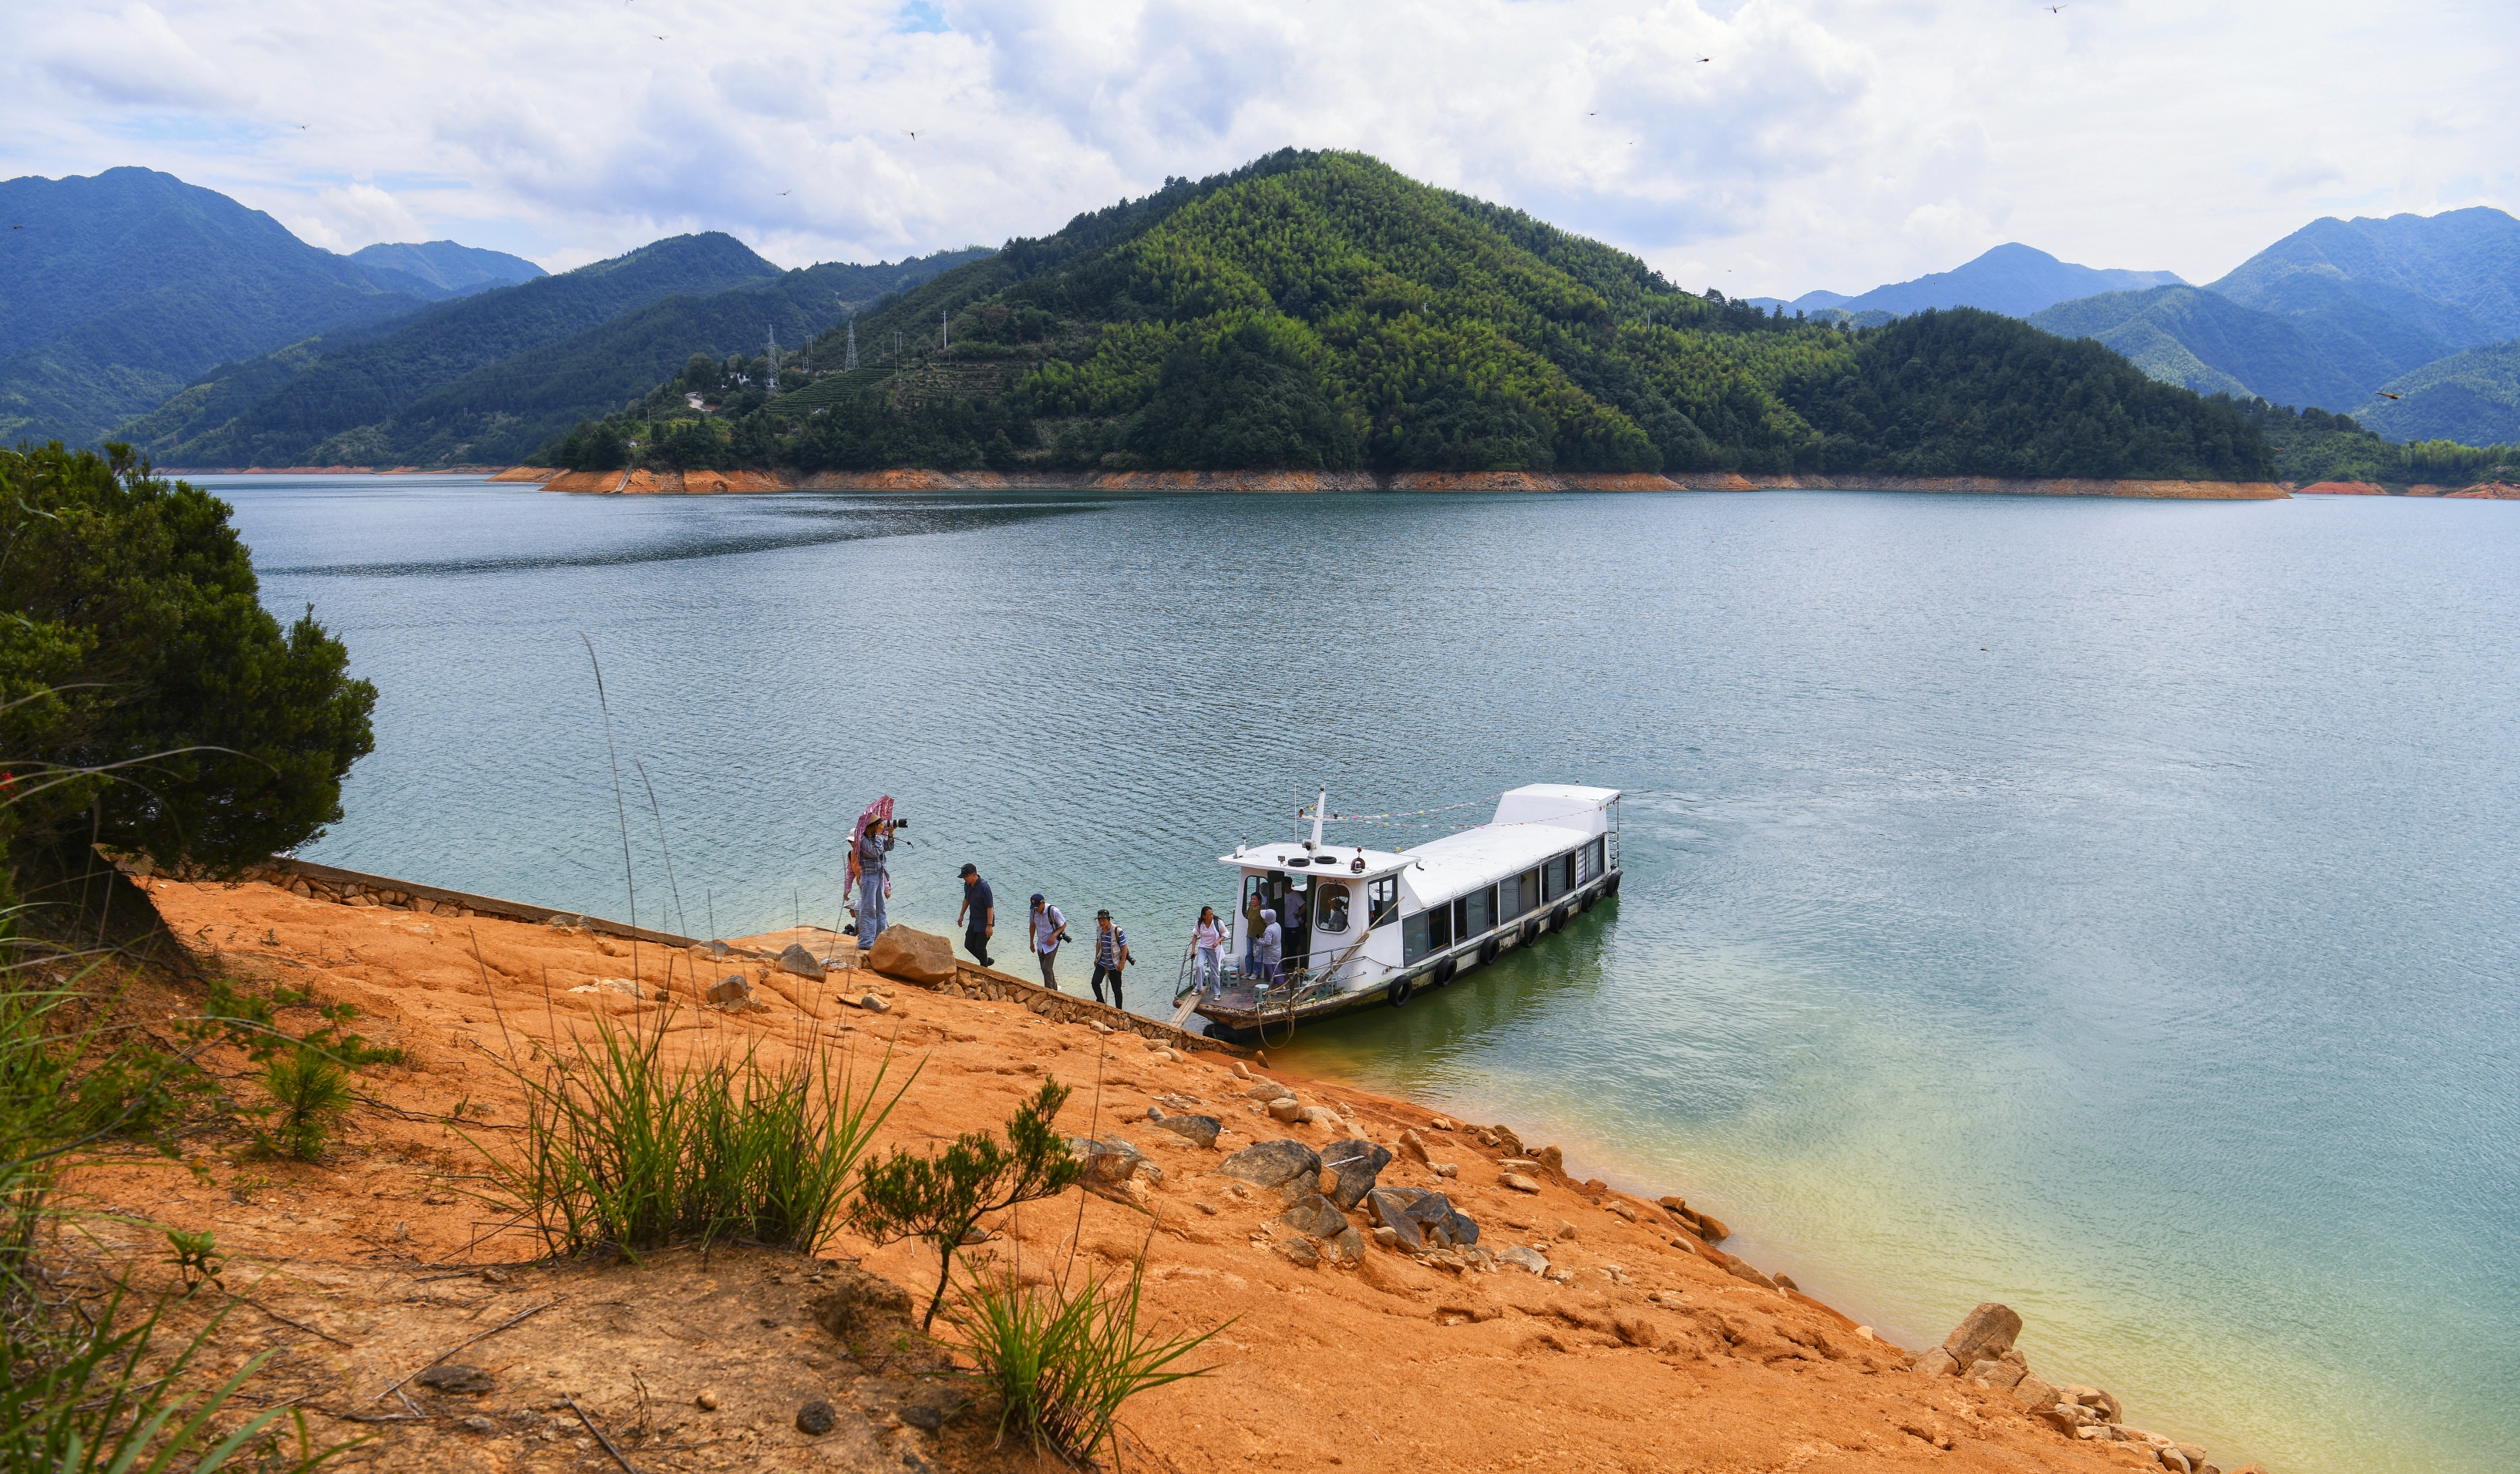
column 1207, row 950
column 1049, row 929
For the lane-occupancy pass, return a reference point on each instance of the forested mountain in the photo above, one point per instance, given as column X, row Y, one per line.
column 1318, row 310
column 2314, row 445
column 501, row 406
column 2472, row 396
column 2013, row 279
column 121, row 286
column 351, row 389
column 2454, row 274
column 2207, row 342
column 452, row 268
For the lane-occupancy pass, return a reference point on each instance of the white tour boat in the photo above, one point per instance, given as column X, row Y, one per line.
column 1363, row 926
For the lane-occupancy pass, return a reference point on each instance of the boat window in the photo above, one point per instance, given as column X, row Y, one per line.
column 1329, row 903
column 1412, row 938
column 1479, row 913
column 1552, row 878
column 1382, row 900
column 1593, row 853
column 1439, row 927
column 1587, row 865
column 1567, row 863
column 1519, row 895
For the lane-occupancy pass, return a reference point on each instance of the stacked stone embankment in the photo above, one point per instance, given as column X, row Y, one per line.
column 1980, row 1350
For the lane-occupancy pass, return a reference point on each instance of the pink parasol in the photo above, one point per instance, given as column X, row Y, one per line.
column 878, row 811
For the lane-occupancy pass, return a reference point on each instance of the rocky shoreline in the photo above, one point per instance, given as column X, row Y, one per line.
column 1383, row 1268
column 637, row 482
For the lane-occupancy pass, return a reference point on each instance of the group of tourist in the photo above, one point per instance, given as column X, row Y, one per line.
column 1045, row 928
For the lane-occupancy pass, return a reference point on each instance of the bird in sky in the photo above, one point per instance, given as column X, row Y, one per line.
column 2385, row 395
column 1706, row 58
column 2055, row 10
column 914, row 138
column 782, row 194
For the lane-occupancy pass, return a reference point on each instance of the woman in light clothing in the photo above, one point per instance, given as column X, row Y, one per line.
column 1272, row 946
column 1207, row 949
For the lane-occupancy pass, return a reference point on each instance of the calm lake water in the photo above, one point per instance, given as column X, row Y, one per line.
column 2104, row 908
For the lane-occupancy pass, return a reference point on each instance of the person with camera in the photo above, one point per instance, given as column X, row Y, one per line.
column 874, row 842
column 1049, row 929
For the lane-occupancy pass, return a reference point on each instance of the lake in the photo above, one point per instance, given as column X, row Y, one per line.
column 2108, row 908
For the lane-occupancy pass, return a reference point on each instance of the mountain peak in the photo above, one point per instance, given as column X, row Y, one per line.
column 2013, row 279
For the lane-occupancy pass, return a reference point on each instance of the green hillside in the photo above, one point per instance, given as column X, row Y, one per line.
column 1320, row 310
column 363, row 385
column 2312, row 445
column 2207, row 342
column 122, row 288
column 2472, row 396
column 452, row 267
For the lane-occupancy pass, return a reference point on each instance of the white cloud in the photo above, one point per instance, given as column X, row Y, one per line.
column 1824, row 143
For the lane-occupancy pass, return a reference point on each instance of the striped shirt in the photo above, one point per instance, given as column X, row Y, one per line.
column 1106, row 946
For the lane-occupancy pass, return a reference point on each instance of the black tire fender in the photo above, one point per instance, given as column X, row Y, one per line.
column 1557, row 918
column 1590, row 897
column 1488, row 951
column 1399, row 989
column 1612, row 888
column 1531, row 932
column 1443, row 972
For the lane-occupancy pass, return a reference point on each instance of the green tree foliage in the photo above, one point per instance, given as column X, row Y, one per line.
column 152, row 702
column 2312, row 445
column 1318, row 310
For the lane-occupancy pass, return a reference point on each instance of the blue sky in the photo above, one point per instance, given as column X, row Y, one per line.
column 1816, row 143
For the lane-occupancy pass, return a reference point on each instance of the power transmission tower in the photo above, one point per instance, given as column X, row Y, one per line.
column 851, row 366
column 772, row 354
column 943, row 328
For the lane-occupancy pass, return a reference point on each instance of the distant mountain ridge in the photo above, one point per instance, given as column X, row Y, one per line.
column 125, row 285
column 448, row 266
column 369, row 382
column 2012, row 279
column 487, row 379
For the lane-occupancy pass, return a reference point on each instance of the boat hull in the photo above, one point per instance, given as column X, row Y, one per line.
column 1269, row 1024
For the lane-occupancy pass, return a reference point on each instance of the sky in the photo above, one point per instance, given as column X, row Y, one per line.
column 1758, row 148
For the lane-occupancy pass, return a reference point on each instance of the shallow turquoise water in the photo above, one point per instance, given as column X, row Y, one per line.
column 2106, row 907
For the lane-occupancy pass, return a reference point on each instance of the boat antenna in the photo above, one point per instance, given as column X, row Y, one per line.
column 1320, row 807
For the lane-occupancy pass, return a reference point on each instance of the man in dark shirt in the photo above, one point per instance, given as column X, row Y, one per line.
column 978, row 916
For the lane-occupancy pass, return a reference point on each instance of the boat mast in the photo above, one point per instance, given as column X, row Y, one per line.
column 1320, row 807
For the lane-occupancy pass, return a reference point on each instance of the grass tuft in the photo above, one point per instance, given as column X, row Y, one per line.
column 309, row 1095
column 624, row 1150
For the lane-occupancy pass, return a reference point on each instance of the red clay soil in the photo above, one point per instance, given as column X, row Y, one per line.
column 1650, row 1355
column 2342, row 489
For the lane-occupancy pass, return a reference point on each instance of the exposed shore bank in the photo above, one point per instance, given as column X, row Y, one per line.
column 701, row 481
column 1584, row 1327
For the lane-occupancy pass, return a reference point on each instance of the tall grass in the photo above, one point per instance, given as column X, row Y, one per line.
column 1062, row 1357
column 625, row 1150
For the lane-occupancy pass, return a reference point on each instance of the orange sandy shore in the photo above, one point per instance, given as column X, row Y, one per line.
column 1651, row 1355
column 649, row 481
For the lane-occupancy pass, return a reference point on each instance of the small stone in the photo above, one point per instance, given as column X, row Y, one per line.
column 874, row 1004
column 1388, row 1238
column 1413, row 1146
column 1786, row 1283
column 1266, row 1090
column 1517, row 1182
column 1621, row 1209
column 2031, row 1393
column 1353, row 1167
column 1322, row 1115
column 706, row 1401
column 1740, row 1269
column 1938, row 1362
column 455, row 1380
column 1522, row 1258
column 729, row 991
column 1565, row 1230
column 1998, row 1374
column 476, row 1423
column 922, row 1417
column 913, row 957
column 815, row 1418
column 798, row 960
column 1301, row 1251
column 1447, row 1170
column 1207, row 1208
column 1348, row 1246
column 1284, row 1108
column 1865, row 1332
column 2194, row 1454
column 1241, row 1072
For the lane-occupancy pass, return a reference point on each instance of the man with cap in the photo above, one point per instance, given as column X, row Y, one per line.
column 978, row 916
column 1049, row 929
column 1110, row 955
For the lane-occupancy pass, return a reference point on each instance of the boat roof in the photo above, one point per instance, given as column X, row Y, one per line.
column 1532, row 823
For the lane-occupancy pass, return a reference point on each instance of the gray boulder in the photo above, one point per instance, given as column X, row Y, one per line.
column 1985, row 1335
column 1315, row 1217
column 1199, row 1131
column 798, row 960
column 1358, row 1163
column 1422, row 1220
column 1273, row 1164
column 1108, row 1160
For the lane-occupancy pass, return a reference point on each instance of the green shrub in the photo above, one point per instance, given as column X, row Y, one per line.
column 623, row 1150
column 940, row 1197
column 1063, row 1358
column 309, row 1095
